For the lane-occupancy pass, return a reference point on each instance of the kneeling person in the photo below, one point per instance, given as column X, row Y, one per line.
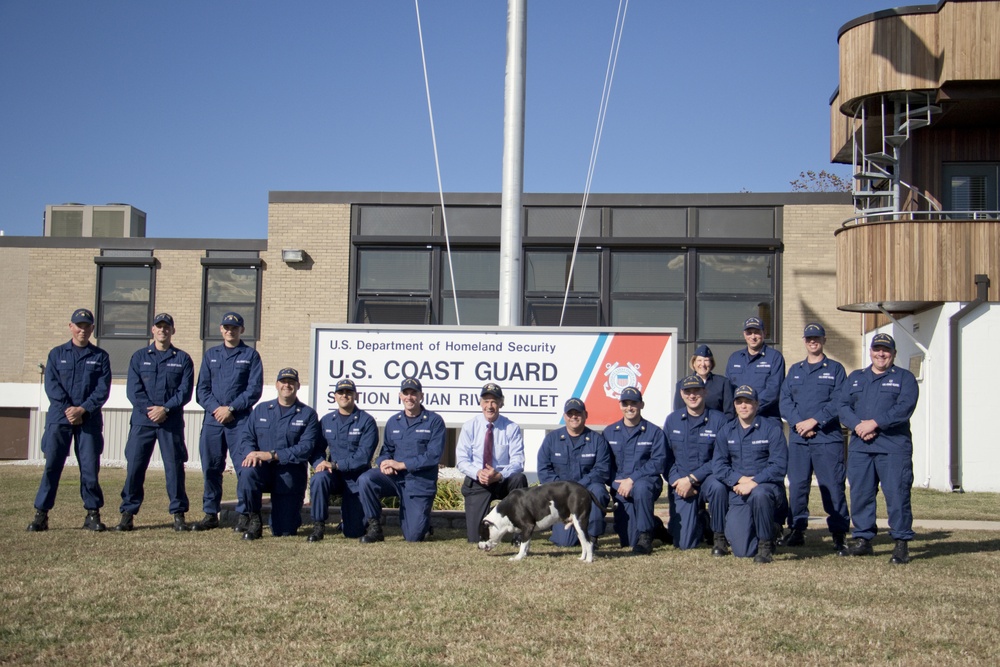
column 638, row 454
column 750, row 458
column 278, row 441
column 351, row 437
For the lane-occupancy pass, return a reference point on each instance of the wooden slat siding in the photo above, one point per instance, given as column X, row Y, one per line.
column 969, row 34
column 916, row 261
column 932, row 147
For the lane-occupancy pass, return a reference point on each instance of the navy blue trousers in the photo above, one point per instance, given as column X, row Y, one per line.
column 325, row 483
column 685, row 523
column 634, row 515
column 214, row 443
column 287, row 484
column 826, row 460
column 138, row 452
column 416, row 499
column 88, row 445
column 895, row 474
column 753, row 518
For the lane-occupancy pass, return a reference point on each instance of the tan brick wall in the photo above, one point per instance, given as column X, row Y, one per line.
column 809, row 283
column 15, row 264
column 178, row 291
column 296, row 296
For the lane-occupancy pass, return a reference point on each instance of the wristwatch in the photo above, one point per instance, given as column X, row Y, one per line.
column 274, row 455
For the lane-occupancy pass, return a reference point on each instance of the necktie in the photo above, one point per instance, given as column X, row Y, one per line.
column 488, row 446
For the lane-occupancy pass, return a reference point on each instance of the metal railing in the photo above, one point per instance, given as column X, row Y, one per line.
column 920, row 216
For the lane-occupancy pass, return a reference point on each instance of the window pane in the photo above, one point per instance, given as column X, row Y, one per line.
column 473, row 221
column 547, row 272
column 734, row 273
column 124, row 306
column 230, row 289
column 585, row 313
column 968, row 193
column 656, row 273
column 396, row 220
column 125, row 283
column 649, row 222
column 648, row 313
column 723, row 320
column 124, row 319
column 474, row 310
column 736, row 222
column 394, row 270
column 562, row 221
column 394, row 311
column 474, row 270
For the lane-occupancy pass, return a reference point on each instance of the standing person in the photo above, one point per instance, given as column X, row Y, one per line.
column 77, row 383
column 876, row 405
column 230, row 382
column 809, row 403
column 160, row 384
column 691, row 433
column 758, row 366
column 351, row 437
column 750, row 458
column 407, row 468
column 718, row 390
column 277, row 442
column 638, row 455
column 576, row 453
column 490, row 451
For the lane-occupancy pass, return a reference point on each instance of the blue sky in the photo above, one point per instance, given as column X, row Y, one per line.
column 194, row 110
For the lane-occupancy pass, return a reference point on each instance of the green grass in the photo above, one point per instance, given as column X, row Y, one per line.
column 155, row 597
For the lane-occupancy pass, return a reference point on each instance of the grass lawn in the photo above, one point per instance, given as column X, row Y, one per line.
column 155, row 597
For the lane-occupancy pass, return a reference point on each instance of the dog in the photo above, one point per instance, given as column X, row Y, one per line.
column 538, row 508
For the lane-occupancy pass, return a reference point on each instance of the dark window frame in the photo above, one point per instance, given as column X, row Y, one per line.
column 119, row 366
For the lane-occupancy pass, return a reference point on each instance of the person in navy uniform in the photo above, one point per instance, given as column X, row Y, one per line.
column 810, row 404
column 160, row 384
column 638, row 455
column 77, row 383
column 230, row 382
column 277, row 443
column 750, row 458
column 575, row 453
column 691, row 433
column 351, row 437
column 490, row 452
column 876, row 405
column 758, row 366
column 407, row 468
column 718, row 390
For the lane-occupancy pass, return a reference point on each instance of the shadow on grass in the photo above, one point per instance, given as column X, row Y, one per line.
column 924, row 545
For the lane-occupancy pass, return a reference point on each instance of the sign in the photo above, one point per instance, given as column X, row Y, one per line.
column 538, row 368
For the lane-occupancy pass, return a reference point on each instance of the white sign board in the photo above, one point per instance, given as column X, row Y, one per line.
column 538, row 368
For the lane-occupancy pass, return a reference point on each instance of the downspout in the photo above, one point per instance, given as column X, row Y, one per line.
column 955, row 378
column 925, row 372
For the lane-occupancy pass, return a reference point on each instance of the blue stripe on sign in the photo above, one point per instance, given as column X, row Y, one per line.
column 588, row 368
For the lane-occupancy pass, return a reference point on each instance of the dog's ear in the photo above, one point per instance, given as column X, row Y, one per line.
column 484, row 530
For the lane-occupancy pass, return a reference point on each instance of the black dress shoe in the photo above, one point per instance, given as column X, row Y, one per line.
column 901, row 553
column 839, row 546
column 319, row 527
column 373, row 533
column 125, row 524
column 242, row 523
column 40, row 523
column 93, row 522
column 255, row 527
column 208, row 522
column 180, row 524
column 720, row 545
column 861, row 547
column 765, row 552
column 793, row 538
column 643, row 545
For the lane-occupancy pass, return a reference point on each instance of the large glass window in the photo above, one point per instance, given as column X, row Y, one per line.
column 477, row 287
column 648, row 289
column 394, row 286
column 731, row 288
column 125, row 297
column 971, row 187
column 545, row 276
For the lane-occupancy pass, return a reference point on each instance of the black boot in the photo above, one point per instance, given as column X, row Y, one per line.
column 242, row 523
column 255, row 527
column 373, row 533
column 839, row 546
column 861, row 547
column 93, row 522
column 180, row 524
column 208, row 522
column 901, row 553
column 125, row 524
column 721, row 545
column 661, row 533
column 319, row 527
column 765, row 552
column 40, row 523
column 643, row 544
column 793, row 538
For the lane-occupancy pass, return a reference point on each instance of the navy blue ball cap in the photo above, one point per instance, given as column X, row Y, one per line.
column 883, row 340
column 753, row 323
column 813, row 329
column 630, row 394
column 692, row 381
column 574, row 404
column 703, row 351
column 492, row 389
column 82, row 316
column 164, row 317
column 288, row 374
column 232, row 318
column 411, row 383
column 745, row 391
column 345, row 385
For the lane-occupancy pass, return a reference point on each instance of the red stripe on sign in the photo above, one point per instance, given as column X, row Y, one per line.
column 629, row 362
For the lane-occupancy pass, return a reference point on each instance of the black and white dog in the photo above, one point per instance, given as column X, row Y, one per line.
column 538, row 508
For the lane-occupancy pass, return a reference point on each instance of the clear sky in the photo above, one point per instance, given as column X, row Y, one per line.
column 193, row 110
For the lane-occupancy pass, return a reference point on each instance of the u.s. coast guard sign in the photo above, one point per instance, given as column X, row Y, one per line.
column 538, row 368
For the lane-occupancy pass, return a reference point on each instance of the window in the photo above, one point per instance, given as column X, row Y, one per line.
column 124, row 305
column 232, row 283
column 477, row 276
column 394, row 286
column 545, row 277
column 731, row 288
column 648, row 289
column 971, row 187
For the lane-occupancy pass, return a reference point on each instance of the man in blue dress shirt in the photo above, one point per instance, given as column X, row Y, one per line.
column 876, row 405
column 490, row 451
column 810, row 404
column 160, row 384
column 407, row 468
column 638, row 456
column 77, row 384
column 575, row 453
column 758, row 366
column 351, row 437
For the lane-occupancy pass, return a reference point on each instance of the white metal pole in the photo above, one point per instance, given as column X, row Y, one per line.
column 513, row 164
